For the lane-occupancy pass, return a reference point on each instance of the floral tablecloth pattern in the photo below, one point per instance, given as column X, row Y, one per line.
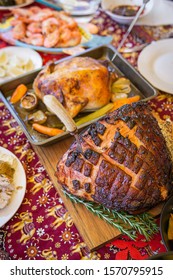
column 42, row 228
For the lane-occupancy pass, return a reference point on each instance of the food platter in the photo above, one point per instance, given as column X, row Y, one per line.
column 20, row 187
column 28, row 2
column 15, row 54
column 164, row 220
column 91, row 42
column 94, row 41
column 36, row 33
column 155, row 63
column 120, row 65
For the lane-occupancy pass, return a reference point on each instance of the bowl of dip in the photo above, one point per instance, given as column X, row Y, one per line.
column 124, row 11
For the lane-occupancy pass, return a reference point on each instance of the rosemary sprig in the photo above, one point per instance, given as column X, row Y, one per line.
column 105, row 215
column 143, row 223
column 151, row 223
column 125, row 223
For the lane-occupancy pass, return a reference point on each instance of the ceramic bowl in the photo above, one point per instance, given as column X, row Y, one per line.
column 79, row 7
column 109, row 5
column 164, row 220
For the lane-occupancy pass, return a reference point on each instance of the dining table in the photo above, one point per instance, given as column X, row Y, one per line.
column 36, row 232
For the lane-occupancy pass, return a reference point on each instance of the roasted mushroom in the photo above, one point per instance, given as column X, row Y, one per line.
column 29, row 101
column 37, row 117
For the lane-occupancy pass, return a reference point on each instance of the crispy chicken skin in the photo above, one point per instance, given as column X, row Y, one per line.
column 78, row 83
column 126, row 164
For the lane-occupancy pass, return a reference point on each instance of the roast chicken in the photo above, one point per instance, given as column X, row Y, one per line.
column 125, row 164
column 78, row 83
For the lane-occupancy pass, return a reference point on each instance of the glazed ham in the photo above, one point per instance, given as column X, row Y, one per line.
column 125, row 163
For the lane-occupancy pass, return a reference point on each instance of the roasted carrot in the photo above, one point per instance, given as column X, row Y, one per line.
column 123, row 101
column 50, row 131
column 18, row 93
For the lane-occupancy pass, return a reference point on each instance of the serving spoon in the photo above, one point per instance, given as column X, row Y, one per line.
column 130, row 28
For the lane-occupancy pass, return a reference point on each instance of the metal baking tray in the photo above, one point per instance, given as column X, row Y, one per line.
column 138, row 84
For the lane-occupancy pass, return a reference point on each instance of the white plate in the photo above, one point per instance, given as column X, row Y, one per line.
column 28, row 2
column 155, row 63
column 24, row 53
column 19, row 180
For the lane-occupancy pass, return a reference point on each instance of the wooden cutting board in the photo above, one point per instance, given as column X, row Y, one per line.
column 94, row 231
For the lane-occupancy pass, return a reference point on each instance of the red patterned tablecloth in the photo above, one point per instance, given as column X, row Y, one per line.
column 34, row 233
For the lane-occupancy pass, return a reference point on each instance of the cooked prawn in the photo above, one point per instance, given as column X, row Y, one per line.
column 76, row 35
column 74, row 40
column 49, row 25
column 35, row 9
column 19, row 30
column 50, row 29
column 20, row 12
column 65, row 34
column 70, row 22
column 42, row 15
column 56, row 14
column 14, row 22
column 35, row 39
column 23, row 15
column 28, row 33
column 34, row 27
column 51, row 39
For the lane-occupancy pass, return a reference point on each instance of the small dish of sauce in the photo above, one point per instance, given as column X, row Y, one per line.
column 126, row 10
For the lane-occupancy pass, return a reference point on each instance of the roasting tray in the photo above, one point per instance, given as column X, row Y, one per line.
column 138, row 84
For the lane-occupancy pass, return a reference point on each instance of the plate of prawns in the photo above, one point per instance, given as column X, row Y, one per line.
column 48, row 30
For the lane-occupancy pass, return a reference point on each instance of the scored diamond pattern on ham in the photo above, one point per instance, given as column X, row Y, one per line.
column 125, row 165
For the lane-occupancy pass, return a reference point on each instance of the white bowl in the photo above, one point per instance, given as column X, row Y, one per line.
column 15, row 54
column 79, row 7
column 109, row 5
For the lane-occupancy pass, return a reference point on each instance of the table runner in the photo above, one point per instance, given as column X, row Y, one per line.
column 42, row 228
